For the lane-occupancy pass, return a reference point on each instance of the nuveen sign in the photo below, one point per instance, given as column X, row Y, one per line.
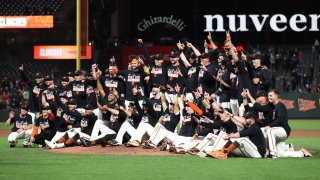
column 277, row 22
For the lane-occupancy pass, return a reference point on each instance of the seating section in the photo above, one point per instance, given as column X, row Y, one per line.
column 29, row 7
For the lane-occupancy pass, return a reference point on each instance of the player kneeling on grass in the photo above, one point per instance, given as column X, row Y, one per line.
column 21, row 128
column 250, row 141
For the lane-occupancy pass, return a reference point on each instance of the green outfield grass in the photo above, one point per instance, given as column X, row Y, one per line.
column 35, row 163
column 295, row 124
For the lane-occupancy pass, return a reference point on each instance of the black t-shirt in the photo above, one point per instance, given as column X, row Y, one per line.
column 173, row 77
column 229, row 127
column 134, row 120
column 109, row 83
column 67, row 91
column 255, row 135
column 192, row 80
column 19, row 122
column 80, row 89
column 280, row 117
column 207, row 79
column 87, row 123
column 44, row 123
column 132, row 78
column 170, row 121
column 157, row 76
column 264, row 113
column 225, row 91
column 188, row 126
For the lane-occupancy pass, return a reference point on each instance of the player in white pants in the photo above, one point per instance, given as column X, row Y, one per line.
column 250, row 141
column 279, row 130
column 22, row 127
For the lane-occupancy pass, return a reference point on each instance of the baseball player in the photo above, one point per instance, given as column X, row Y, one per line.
column 22, row 125
column 250, row 140
column 279, row 130
column 46, row 125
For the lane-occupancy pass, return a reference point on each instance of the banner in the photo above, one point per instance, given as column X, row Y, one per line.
column 288, row 103
column 59, row 52
column 302, row 105
column 17, row 22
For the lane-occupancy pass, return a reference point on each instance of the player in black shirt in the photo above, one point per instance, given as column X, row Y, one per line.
column 46, row 124
column 22, row 125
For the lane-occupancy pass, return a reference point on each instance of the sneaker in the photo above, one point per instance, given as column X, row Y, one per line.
column 193, row 151
column 26, row 146
column 133, row 143
column 202, row 154
column 271, row 156
column 306, row 153
column 218, row 154
column 115, row 143
column 50, row 145
column 164, row 144
column 149, row 145
column 85, row 142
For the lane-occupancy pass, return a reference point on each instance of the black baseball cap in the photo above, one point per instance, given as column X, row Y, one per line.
column 48, row 78
column 69, row 74
column 155, row 85
column 132, row 104
column 88, row 107
column 62, row 95
column 174, row 54
column 158, row 57
column 78, row 72
column 249, row 115
column 45, row 107
column 205, row 55
column 38, row 75
column 65, row 78
column 261, row 93
column 256, row 56
column 72, row 101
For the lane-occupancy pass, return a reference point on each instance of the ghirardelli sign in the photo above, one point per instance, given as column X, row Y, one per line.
column 171, row 20
column 277, row 22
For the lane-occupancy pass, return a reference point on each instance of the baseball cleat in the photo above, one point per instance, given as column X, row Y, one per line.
column 49, row 144
column 193, row 151
column 306, row 153
column 85, row 142
column 115, row 143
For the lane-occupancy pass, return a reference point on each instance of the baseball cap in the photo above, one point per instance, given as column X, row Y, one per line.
column 250, row 114
column 158, row 57
column 48, row 78
column 132, row 104
column 38, row 75
column 174, row 54
column 62, row 95
column 78, row 72
column 205, row 55
column 155, row 85
column 65, row 78
column 72, row 101
column 256, row 56
column 69, row 74
column 88, row 107
column 45, row 108
column 261, row 93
